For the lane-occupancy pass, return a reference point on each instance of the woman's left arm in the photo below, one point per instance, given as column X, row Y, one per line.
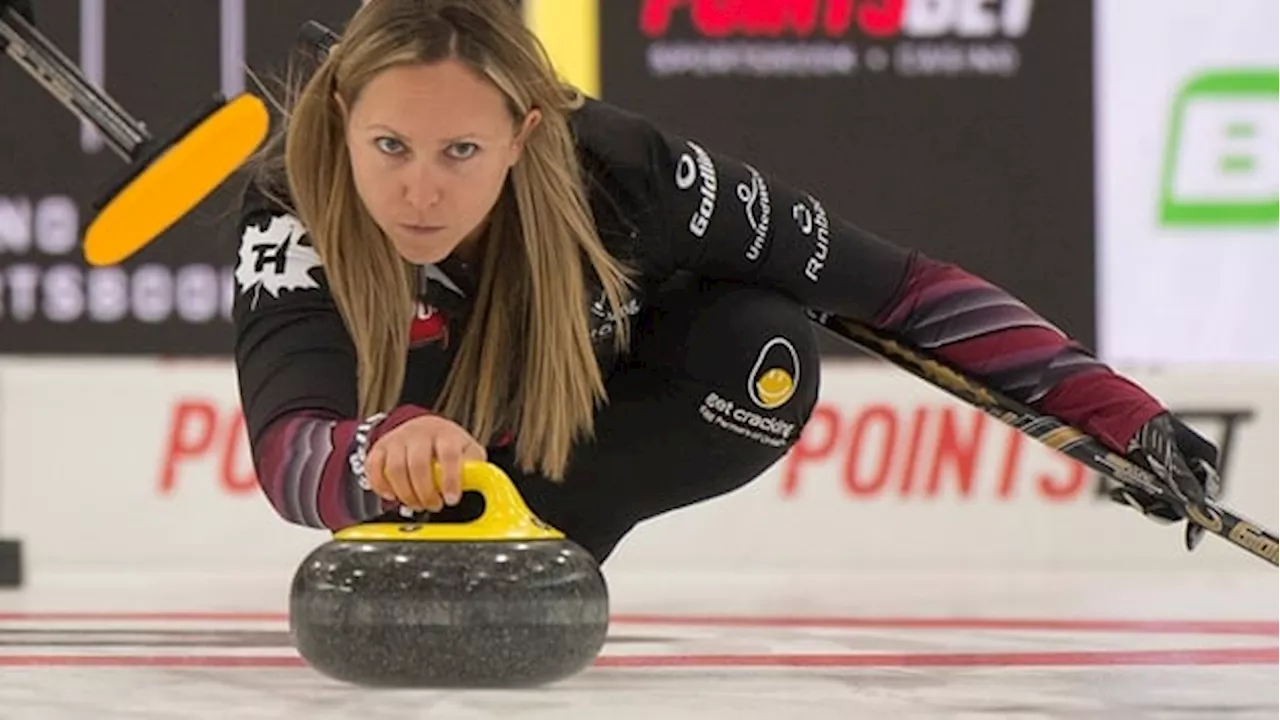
column 727, row 219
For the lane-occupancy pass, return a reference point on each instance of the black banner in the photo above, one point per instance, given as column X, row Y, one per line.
column 163, row 61
column 960, row 127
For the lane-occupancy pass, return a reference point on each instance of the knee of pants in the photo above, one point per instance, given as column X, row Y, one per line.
column 755, row 352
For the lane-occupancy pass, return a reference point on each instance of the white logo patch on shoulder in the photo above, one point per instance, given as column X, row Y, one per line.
column 274, row 260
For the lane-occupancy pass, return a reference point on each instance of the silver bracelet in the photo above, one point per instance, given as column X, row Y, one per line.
column 358, row 459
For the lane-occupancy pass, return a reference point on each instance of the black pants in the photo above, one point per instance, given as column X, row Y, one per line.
column 720, row 381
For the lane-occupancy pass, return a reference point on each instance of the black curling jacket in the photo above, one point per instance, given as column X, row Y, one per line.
column 669, row 205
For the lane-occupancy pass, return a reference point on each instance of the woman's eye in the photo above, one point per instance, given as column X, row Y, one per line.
column 463, row 150
column 390, row 146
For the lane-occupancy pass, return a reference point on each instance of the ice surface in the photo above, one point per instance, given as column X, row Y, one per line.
column 729, row 647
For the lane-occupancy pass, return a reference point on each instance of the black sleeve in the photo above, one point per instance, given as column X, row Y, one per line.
column 725, row 218
column 296, row 368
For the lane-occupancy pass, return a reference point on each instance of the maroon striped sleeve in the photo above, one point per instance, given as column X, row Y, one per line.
column 305, row 467
column 992, row 336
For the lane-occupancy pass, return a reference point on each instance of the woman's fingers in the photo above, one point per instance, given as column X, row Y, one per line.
column 421, row 457
column 373, row 471
column 449, row 453
column 396, row 470
column 402, row 467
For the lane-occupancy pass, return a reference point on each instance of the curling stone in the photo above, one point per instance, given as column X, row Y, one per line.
column 500, row 601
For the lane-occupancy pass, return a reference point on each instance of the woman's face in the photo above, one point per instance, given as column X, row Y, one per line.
column 431, row 146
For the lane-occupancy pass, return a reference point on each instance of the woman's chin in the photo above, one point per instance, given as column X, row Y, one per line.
column 421, row 254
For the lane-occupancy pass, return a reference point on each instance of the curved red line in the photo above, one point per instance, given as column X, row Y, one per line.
column 131, row 616
column 1212, row 627
column 1208, row 627
column 1221, row 656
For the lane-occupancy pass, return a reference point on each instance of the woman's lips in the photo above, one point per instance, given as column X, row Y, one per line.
column 421, row 229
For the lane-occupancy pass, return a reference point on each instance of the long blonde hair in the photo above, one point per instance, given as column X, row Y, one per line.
column 526, row 362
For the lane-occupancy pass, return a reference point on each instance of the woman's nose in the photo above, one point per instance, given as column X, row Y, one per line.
column 423, row 187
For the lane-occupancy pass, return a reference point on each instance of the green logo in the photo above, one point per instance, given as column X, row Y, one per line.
column 1220, row 155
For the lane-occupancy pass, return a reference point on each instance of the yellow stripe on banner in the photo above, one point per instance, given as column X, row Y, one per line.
column 570, row 30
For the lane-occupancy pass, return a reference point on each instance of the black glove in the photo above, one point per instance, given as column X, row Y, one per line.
column 1184, row 461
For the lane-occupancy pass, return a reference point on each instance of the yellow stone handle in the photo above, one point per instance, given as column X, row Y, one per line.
column 505, row 516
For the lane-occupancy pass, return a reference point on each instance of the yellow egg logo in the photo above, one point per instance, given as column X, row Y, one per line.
column 775, row 375
column 775, row 387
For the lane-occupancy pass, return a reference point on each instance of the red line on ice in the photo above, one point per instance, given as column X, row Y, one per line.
column 1221, row 656
column 1161, row 627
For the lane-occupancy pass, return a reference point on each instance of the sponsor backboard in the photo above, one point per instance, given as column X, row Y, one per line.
column 1187, row 181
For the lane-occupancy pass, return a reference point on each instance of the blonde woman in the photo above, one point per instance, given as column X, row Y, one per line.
column 455, row 256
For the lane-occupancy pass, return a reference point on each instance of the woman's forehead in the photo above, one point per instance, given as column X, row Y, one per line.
column 440, row 98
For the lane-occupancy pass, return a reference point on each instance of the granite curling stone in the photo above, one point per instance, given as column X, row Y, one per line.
column 501, row 601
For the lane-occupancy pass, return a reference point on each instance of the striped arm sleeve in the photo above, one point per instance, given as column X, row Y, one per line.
column 310, row 466
column 991, row 335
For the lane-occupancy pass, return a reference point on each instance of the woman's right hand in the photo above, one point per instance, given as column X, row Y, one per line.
column 400, row 463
